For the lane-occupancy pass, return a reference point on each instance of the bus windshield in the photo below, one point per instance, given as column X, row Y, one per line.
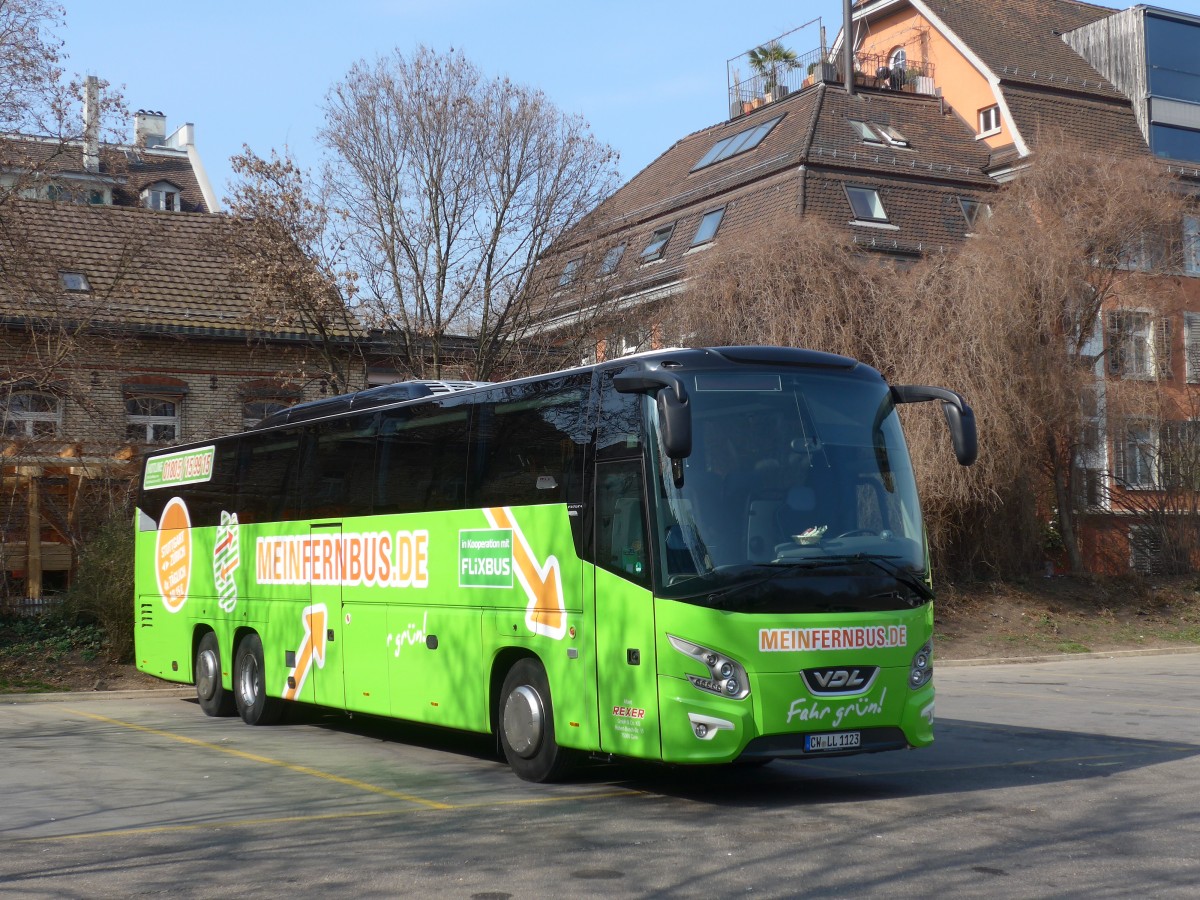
column 798, row 495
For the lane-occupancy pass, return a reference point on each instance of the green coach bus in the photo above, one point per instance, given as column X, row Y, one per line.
column 691, row 556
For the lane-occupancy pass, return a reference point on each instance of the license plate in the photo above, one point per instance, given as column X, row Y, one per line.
column 839, row 740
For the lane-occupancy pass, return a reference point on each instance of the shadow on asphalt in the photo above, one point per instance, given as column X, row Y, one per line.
column 967, row 756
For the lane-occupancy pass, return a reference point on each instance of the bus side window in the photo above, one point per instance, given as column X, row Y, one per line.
column 620, row 520
column 267, row 476
column 527, row 444
column 207, row 499
column 422, row 459
column 338, row 465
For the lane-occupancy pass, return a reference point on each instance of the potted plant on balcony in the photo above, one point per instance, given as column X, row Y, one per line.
column 770, row 61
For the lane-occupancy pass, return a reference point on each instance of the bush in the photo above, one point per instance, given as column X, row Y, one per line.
column 102, row 590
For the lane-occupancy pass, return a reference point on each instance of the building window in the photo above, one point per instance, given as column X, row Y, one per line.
column 1134, row 455
column 1191, row 245
column 611, row 260
column 74, row 281
column 32, row 414
column 708, row 226
column 974, row 212
column 152, row 420
column 866, row 204
column 161, row 195
column 1139, row 345
column 738, row 143
column 254, row 411
column 658, row 243
column 989, row 120
column 570, row 270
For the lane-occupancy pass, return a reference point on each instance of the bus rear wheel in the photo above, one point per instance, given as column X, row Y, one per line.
column 526, row 719
column 250, row 684
column 214, row 699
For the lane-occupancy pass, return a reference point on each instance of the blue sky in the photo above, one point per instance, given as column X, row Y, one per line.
column 643, row 74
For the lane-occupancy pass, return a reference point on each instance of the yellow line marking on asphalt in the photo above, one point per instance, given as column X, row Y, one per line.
column 254, row 757
column 314, row 817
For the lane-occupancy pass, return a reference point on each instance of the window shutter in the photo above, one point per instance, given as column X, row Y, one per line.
column 1191, row 325
column 1119, row 460
column 1162, row 347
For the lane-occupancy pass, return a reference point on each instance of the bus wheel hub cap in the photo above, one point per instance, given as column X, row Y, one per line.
column 206, row 677
column 523, row 720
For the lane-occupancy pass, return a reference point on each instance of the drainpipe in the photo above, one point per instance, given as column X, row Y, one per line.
column 847, row 48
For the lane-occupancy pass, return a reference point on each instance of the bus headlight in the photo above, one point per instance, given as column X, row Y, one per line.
column 726, row 676
column 921, row 668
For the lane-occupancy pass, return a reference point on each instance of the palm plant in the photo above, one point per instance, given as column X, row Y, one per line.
column 770, row 61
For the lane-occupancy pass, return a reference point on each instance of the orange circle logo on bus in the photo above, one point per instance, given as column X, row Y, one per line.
column 173, row 555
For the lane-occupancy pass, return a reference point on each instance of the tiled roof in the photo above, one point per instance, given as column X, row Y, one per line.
column 1100, row 125
column 813, row 135
column 149, row 271
column 130, row 169
column 1021, row 40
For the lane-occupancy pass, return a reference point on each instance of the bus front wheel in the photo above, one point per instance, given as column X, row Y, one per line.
column 214, row 699
column 250, row 684
column 526, row 719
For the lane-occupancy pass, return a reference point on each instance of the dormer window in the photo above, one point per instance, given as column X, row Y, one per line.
column 161, row 195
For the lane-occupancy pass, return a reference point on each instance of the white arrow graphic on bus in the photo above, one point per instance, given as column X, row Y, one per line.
column 546, row 614
column 311, row 648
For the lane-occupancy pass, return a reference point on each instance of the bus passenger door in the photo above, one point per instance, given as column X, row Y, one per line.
column 626, row 666
column 325, row 592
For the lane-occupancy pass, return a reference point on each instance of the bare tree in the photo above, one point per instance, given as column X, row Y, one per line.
column 1065, row 249
column 280, row 239
column 452, row 186
column 1015, row 320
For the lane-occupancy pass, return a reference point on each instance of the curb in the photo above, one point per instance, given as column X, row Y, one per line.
column 62, row 696
column 1061, row 657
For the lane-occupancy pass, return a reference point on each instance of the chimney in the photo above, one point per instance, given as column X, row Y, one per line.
column 91, row 124
column 149, row 128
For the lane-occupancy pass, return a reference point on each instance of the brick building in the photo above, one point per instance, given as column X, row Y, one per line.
column 123, row 324
column 945, row 102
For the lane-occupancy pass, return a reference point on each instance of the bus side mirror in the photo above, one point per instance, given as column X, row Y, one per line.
column 674, row 407
column 960, row 418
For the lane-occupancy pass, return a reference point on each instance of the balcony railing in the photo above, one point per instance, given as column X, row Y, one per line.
column 870, row 71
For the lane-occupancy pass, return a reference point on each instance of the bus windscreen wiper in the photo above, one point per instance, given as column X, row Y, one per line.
column 884, row 563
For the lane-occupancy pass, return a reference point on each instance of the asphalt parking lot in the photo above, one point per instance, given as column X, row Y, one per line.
column 1072, row 778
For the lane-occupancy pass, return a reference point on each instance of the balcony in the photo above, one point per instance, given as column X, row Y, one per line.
column 785, row 78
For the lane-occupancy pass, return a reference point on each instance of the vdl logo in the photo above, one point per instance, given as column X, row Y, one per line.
column 839, row 682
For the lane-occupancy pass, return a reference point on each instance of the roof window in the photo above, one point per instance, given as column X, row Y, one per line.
column 74, row 281
column 974, row 211
column 658, row 243
column 866, row 204
column 611, row 260
column 865, row 132
column 708, row 226
column 744, row 140
column 570, row 270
